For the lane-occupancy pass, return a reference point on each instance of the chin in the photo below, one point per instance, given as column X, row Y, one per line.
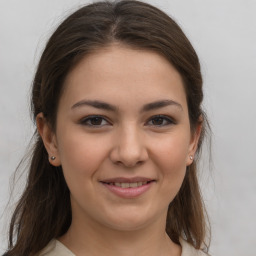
column 128, row 225
column 131, row 220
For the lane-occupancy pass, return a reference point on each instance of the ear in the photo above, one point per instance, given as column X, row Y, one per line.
column 195, row 136
column 49, row 139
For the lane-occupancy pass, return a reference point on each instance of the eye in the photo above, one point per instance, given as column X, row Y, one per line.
column 160, row 120
column 96, row 121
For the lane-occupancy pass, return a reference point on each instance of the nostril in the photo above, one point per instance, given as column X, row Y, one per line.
column 129, row 165
column 118, row 163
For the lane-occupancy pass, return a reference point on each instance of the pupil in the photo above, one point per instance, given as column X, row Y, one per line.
column 158, row 121
column 96, row 121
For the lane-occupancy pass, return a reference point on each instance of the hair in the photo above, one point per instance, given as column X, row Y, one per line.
column 44, row 211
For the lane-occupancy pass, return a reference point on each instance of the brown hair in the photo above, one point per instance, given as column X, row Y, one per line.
column 44, row 210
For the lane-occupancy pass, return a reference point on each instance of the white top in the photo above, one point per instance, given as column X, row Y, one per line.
column 56, row 248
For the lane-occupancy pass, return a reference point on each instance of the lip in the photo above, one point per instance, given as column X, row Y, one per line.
column 131, row 192
column 126, row 180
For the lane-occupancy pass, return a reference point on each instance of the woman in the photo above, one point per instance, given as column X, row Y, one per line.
column 117, row 102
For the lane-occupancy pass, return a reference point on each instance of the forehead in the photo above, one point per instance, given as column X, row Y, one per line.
column 118, row 72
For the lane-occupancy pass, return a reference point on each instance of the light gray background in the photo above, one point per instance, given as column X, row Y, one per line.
column 224, row 34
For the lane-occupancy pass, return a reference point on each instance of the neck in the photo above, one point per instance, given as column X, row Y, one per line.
column 93, row 239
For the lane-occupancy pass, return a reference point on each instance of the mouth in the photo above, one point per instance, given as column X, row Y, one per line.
column 128, row 184
column 128, row 188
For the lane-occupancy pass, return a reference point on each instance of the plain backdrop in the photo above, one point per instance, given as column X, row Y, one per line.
column 223, row 33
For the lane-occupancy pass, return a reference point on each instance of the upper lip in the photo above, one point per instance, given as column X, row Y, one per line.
column 126, row 180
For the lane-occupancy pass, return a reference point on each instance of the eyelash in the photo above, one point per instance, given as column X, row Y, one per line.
column 85, row 121
column 168, row 120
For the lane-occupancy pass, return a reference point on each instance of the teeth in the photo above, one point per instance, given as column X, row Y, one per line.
column 125, row 185
column 133, row 185
column 129, row 185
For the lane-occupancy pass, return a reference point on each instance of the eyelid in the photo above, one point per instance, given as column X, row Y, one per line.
column 171, row 120
column 89, row 117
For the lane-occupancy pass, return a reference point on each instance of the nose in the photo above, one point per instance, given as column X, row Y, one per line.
column 129, row 148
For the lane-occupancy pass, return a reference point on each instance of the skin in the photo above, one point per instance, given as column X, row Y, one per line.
column 127, row 142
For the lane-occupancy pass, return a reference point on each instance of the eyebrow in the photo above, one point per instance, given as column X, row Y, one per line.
column 106, row 106
column 160, row 104
column 96, row 104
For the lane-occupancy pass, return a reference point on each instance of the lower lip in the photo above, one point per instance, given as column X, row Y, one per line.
column 128, row 192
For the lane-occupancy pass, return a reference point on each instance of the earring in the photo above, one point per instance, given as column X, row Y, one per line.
column 53, row 158
column 191, row 157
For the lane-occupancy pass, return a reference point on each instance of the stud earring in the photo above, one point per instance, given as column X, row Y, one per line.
column 53, row 158
column 191, row 157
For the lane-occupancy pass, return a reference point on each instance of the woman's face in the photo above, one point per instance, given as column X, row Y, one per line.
column 123, row 137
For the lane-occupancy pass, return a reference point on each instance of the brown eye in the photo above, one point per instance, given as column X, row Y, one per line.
column 157, row 121
column 160, row 120
column 94, row 121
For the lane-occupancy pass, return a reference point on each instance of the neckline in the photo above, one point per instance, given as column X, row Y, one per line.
column 63, row 247
column 186, row 248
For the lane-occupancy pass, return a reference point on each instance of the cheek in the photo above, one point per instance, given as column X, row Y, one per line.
column 80, row 154
column 172, row 151
column 170, row 157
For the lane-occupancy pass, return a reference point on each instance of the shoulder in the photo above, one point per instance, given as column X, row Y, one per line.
column 189, row 250
column 55, row 248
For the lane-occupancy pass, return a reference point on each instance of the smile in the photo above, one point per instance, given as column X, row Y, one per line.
column 128, row 188
column 128, row 185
